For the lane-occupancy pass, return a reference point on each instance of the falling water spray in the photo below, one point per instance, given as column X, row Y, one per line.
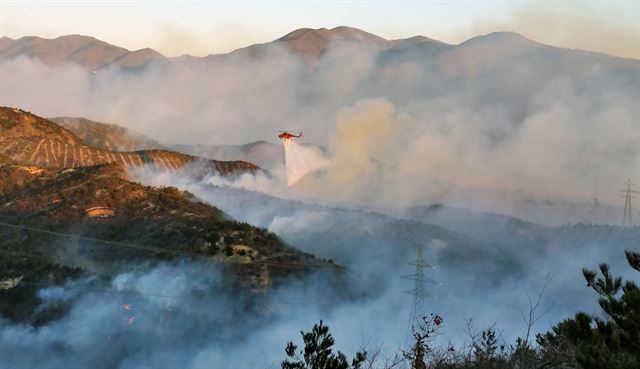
column 301, row 160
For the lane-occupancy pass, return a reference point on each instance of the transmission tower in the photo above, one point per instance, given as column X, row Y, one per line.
column 418, row 293
column 627, row 219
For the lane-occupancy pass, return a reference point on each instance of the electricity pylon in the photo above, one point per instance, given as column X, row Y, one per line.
column 627, row 219
column 418, row 292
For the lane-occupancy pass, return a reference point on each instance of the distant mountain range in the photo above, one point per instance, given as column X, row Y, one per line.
column 493, row 83
column 93, row 54
column 72, row 215
column 86, row 51
column 310, row 45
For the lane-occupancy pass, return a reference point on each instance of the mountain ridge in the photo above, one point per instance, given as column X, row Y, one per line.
column 34, row 141
column 113, row 137
column 306, row 43
column 87, row 51
column 107, row 136
column 117, row 224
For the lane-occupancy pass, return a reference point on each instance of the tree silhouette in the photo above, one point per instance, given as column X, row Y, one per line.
column 318, row 353
column 604, row 343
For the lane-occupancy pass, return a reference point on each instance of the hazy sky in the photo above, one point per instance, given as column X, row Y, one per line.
column 204, row 27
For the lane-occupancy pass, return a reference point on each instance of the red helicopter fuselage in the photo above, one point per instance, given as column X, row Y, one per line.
column 286, row 135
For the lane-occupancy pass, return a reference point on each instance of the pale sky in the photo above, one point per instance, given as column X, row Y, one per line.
column 205, row 27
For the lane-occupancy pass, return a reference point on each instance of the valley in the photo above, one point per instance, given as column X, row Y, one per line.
column 437, row 204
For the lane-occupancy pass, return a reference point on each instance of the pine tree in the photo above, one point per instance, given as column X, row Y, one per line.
column 318, row 353
column 611, row 343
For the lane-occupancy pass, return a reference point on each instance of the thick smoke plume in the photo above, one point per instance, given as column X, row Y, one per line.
column 485, row 277
column 188, row 315
column 498, row 122
column 566, row 24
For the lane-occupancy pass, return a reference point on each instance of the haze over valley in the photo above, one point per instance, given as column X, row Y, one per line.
column 200, row 211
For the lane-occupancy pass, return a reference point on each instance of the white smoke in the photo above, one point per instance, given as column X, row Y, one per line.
column 403, row 127
column 488, row 263
column 301, row 160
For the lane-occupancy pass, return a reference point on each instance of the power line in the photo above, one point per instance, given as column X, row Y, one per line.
column 19, row 281
column 154, row 272
column 135, row 246
column 143, row 294
column 163, row 250
column 418, row 292
column 86, row 289
column 129, row 266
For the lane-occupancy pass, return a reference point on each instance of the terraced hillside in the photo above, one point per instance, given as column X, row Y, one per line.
column 5, row 160
column 31, row 140
column 107, row 136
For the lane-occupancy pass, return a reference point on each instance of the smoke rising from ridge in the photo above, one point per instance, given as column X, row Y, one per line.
column 566, row 24
column 490, row 273
column 497, row 117
column 188, row 315
column 498, row 123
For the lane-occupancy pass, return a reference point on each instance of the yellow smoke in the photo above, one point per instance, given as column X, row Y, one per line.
column 365, row 136
column 571, row 24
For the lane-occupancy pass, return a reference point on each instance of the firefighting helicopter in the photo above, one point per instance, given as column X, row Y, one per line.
column 286, row 135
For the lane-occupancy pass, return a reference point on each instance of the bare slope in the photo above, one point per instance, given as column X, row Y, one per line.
column 31, row 140
column 107, row 136
column 113, row 137
column 86, row 51
column 306, row 43
column 310, row 45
